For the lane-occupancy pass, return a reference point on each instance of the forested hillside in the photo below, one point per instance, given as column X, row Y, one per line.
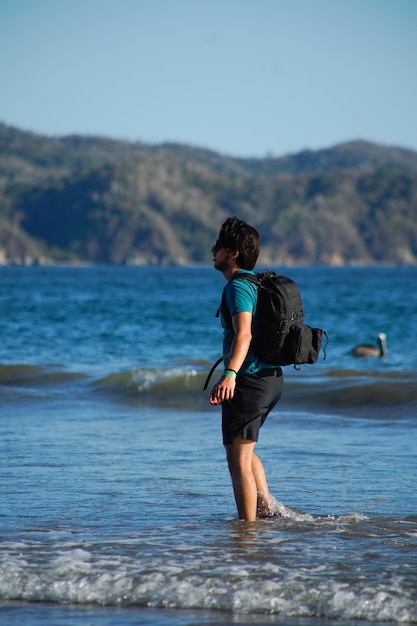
column 86, row 199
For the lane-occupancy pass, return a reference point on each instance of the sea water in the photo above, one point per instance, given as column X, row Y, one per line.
column 116, row 506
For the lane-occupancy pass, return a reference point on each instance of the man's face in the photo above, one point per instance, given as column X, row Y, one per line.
column 221, row 257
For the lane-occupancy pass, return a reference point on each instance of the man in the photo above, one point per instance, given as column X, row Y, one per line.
column 248, row 389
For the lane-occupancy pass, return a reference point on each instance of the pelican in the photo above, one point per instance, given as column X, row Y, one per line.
column 375, row 351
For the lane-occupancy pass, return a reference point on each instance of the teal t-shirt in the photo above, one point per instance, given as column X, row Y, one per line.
column 241, row 296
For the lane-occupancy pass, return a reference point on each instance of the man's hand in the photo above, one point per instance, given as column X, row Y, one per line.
column 223, row 390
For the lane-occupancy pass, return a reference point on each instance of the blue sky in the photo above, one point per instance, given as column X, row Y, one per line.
column 241, row 77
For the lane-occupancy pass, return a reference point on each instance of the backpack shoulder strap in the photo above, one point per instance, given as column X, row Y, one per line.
column 253, row 278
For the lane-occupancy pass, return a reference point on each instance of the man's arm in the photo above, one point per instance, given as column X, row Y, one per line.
column 224, row 389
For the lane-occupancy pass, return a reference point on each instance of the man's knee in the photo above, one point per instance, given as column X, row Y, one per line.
column 239, row 455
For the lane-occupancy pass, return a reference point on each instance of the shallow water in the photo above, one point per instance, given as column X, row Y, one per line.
column 115, row 502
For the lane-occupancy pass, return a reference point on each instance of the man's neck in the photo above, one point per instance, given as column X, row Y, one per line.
column 230, row 271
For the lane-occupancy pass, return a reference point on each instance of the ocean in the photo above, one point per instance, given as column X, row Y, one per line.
column 116, row 507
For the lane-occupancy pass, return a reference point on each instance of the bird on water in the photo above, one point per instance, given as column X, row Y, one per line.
column 374, row 351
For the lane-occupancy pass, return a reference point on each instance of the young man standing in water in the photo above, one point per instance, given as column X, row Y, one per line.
column 248, row 389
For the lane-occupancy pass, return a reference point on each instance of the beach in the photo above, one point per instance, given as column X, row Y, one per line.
column 116, row 505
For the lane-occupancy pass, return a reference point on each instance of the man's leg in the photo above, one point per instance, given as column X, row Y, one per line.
column 240, row 458
column 249, row 481
column 265, row 500
column 259, row 474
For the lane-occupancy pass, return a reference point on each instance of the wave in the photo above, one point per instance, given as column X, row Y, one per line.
column 356, row 392
column 340, row 391
column 175, row 387
column 133, row 572
column 36, row 375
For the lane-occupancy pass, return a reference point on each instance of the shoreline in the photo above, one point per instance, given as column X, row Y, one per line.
column 29, row 263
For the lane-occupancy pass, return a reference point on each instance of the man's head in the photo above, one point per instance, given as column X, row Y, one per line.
column 237, row 236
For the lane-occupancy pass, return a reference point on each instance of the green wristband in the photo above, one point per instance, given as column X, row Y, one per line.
column 230, row 373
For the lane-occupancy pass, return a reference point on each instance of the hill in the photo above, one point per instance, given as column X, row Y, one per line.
column 106, row 201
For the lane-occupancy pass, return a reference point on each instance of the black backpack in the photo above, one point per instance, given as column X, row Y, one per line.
column 280, row 336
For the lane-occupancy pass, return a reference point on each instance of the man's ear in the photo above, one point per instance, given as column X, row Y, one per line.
column 234, row 254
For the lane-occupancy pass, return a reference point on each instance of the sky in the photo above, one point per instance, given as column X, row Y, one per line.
column 245, row 78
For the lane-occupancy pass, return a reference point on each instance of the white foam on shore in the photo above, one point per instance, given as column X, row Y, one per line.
column 78, row 576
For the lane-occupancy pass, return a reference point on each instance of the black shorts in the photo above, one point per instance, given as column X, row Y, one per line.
column 255, row 396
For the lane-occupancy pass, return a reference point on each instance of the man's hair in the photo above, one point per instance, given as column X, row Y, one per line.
column 237, row 235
